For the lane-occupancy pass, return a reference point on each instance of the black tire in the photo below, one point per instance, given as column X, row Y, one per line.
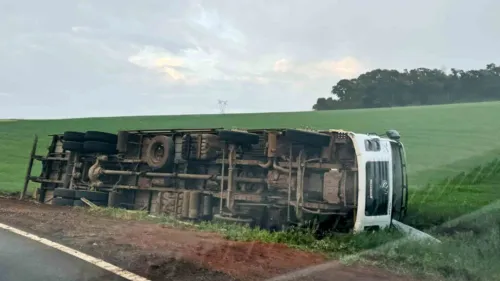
column 101, row 137
column 62, row 202
column 79, row 203
column 73, row 146
column 73, row 136
column 238, row 137
column 311, row 138
column 157, row 159
column 101, row 203
column 92, row 195
column 114, row 199
column 122, row 143
column 64, row 193
column 99, row 147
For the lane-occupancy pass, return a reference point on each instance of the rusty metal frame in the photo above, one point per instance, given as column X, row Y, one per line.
column 288, row 167
column 289, row 184
column 42, row 180
column 222, row 174
column 292, row 167
column 214, row 130
column 281, row 164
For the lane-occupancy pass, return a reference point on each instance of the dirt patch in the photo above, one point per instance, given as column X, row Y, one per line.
column 163, row 253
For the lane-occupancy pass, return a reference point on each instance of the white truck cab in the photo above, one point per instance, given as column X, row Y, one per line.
column 382, row 180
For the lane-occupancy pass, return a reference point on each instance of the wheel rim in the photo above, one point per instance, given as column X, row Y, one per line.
column 158, row 153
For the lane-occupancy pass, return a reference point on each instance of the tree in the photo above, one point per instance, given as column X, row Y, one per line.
column 420, row 86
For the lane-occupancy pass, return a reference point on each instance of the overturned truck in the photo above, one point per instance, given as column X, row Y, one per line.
column 269, row 178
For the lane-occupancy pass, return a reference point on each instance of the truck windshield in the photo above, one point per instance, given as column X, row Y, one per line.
column 377, row 188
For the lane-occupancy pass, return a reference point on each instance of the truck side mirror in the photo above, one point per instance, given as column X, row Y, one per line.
column 393, row 135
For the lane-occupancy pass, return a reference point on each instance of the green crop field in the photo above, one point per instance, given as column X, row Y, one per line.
column 452, row 152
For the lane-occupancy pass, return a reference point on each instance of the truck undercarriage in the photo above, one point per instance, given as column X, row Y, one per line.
column 269, row 178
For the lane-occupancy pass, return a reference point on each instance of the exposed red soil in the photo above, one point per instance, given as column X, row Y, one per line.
column 165, row 253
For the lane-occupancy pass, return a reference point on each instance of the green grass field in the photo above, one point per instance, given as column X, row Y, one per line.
column 452, row 152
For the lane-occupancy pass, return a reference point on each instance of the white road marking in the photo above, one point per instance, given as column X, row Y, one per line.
column 95, row 261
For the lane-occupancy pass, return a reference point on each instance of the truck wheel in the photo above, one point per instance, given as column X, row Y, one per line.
column 101, row 137
column 62, row 202
column 238, row 137
column 159, row 152
column 64, row 193
column 99, row 147
column 312, row 138
column 92, row 195
column 101, row 203
column 79, row 203
column 122, row 142
column 73, row 136
column 73, row 146
column 115, row 199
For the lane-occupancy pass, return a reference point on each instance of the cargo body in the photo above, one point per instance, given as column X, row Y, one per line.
column 270, row 178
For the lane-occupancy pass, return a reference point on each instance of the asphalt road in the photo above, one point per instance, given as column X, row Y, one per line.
column 22, row 259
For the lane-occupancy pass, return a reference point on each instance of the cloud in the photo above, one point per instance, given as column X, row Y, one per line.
column 159, row 60
column 282, row 65
column 78, row 29
column 174, row 74
column 211, row 21
column 347, row 67
column 171, row 57
column 154, row 57
column 189, row 66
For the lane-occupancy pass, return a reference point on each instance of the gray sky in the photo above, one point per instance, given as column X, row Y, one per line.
column 61, row 58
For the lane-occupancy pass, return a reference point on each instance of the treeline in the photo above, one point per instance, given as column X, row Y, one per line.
column 421, row 86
